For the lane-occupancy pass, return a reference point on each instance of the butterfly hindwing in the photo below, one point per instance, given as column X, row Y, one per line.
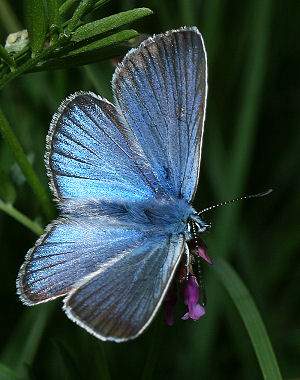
column 119, row 302
column 70, row 250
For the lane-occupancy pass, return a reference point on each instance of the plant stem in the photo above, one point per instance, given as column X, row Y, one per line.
column 25, row 166
column 10, row 210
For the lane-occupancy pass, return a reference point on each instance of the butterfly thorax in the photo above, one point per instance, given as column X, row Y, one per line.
column 165, row 215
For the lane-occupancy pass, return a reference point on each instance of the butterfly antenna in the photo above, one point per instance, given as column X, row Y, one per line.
column 235, row 200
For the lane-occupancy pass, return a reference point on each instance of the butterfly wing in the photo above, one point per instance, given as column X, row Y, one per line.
column 69, row 250
column 118, row 303
column 116, row 275
column 87, row 156
column 160, row 89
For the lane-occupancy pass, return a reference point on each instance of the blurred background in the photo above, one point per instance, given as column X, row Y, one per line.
column 251, row 144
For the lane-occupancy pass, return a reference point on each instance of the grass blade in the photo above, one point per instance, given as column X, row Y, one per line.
column 8, row 374
column 251, row 318
column 24, row 343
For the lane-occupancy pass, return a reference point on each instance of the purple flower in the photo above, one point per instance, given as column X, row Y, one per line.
column 201, row 251
column 190, row 292
column 168, row 305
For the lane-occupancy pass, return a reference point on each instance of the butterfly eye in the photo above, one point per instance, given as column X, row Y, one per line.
column 198, row 225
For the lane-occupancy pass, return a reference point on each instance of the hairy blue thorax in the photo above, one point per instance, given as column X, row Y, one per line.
column 166, row 215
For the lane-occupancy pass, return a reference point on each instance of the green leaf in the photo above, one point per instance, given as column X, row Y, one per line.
column 8, row 374
column 82, row 8
column 6, row 57
column 7, row 190
column 53, row 18
column 24, row 342
column 36, row 24
column 114, row 39
column 93, row 55
column 66, row 5
column 71, row 367
column 251, row 318
column 97, row 5
column 108, row 23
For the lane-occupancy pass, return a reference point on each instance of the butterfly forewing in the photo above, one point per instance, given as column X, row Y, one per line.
column 88, row 156
column 161, row 90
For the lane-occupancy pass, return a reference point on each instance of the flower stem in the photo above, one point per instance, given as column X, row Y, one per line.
column 10, row 210
column 25, row 166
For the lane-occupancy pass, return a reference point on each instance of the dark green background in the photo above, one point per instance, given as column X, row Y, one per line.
column 252, row 143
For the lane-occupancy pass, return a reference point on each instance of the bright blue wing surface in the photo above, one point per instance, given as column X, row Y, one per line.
column 69, row 251
column 87, row 156
column 160, row 89
column 92, row 235
column 119, row 302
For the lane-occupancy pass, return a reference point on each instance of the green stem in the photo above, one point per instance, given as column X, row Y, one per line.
column 25, row 166
column 251, row 318
column 10, row 210
column 6, row 57
column 31, row 62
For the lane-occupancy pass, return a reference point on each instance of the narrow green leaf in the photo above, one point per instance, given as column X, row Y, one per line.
column 66, row 5
column 7, row 190
column 6, row 57
column 89, row 56
column 108, row 23
column 98, row 5
column 53, row 19
column 35, row 17
column 251, row 318
column 8, row 374
column 53, row 12
column 8, row 19
column 114, row 39
column 25, row 166
column 24, row 342
column 83, row 59
column 102, row 362
column 83, row 6
column 153, row 350
column 71, row 365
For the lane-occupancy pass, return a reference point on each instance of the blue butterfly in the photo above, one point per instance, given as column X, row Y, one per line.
column 124, row 176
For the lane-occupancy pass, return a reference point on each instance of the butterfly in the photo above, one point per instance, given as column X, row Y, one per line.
column 124, row 176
